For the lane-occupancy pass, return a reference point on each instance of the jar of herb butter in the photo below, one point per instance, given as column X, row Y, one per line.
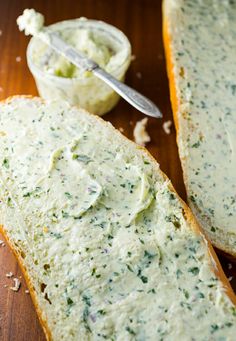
column 57, row 78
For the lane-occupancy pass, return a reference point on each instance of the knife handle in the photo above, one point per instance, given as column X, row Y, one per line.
column 137, row 100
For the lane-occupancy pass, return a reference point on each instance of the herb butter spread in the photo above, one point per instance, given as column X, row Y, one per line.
column 57, row 78
column 91, row 43
column 203, row 48
column 83, row 40
column 104, row 238
column 30, row 21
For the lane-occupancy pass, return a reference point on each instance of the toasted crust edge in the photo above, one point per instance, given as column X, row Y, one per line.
column 216, row 266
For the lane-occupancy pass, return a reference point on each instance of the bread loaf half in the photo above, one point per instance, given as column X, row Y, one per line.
column 109, row 250
column 200, row 45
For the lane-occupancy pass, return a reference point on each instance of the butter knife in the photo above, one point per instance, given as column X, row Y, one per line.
column 132, row 96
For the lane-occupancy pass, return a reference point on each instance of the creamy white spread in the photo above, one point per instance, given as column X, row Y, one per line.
column 203, row 47
column 105, row 241
column 82, row 39
column 30, row 21
column 100, row 42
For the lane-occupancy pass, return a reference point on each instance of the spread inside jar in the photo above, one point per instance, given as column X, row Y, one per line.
column 83, row 40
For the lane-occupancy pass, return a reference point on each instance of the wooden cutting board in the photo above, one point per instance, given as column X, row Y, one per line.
column 141, row 22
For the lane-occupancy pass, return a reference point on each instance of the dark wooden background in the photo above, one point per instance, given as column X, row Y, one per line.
column 141, row 21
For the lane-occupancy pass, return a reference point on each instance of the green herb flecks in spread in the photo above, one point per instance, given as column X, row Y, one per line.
column 203, row 48
column 105, row 235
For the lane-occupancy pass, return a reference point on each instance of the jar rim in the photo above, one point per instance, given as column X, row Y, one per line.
column 111, row 30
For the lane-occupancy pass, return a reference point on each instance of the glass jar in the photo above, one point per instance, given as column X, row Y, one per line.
column 84, row 90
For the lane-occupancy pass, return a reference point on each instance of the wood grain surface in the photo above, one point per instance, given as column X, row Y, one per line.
column 141, row 22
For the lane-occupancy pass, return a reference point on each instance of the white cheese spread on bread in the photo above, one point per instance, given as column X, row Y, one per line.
column 110, row 250
column 201, row 39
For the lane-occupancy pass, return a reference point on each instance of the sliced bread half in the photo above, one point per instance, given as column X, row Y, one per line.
column 109, row 250
column 200, row 45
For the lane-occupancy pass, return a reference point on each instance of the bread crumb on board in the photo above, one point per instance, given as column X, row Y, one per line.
column 9, row 274
column 17, row 284
column 166, row 126
column 0, row 33
column 121, row 129
column 139, row 75
column 2, row 243
column 141, row 136
column 18, row 59
column 1, row 89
